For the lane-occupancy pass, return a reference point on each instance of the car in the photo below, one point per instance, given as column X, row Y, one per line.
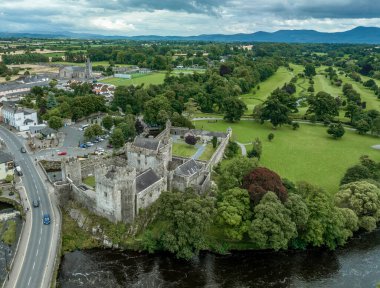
column 100, row 149
column 36, row 203
column 46, row 219
column 62, row 153
column 100, row 139
column 23, row 150
column 109, row 146
column 89, row 144
column 83, row 145
column 95, row 141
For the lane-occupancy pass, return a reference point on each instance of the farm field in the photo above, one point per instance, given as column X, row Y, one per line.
column 308, row 154
column 154, row 78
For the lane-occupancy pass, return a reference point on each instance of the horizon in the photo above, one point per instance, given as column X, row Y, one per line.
column 227, row 17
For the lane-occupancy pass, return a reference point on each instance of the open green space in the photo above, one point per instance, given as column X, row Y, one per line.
column 308, row 154
column 183, row 150
column 207, row 153
column 9, row 236
column 147, row 79
column 257, row 96
column 89, row 181
column 95, row 63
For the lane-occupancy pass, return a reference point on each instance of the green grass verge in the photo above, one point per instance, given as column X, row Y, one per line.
column 9, row 236
column 207, row 153
column 154, row 78
column 308, row 154
column 183, row 150
column 90, row 181
column 74, row 238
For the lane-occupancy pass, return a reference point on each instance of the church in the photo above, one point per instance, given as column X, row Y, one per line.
column 76, row 72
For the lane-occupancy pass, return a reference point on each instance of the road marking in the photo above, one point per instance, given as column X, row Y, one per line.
column 37, row 251
column 34, row 264
column 30, row 278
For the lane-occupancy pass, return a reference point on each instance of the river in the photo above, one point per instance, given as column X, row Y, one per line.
column 355, row 265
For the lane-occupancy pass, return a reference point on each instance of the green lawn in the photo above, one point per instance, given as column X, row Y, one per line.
column 277, row 80
column 90, row 181
column 95, row 63
column 154, row 78
column 9, row 236
column 183, row 150
column 207, row 154
column 307, row 154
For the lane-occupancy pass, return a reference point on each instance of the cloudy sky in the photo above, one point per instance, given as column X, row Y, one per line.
column 185, row 17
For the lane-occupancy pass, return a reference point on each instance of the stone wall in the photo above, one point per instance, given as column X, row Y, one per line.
column 148, row 196
column 219, row 153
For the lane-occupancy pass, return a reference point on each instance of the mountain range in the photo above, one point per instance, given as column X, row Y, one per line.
column 358, row 35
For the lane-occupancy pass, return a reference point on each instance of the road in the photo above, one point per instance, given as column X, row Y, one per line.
column 34, row 264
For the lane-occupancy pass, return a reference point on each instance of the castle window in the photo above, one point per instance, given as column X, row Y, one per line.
column 138, row 162
column 105, row 194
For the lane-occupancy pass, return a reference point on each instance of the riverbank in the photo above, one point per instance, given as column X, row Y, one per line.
column 355, row 265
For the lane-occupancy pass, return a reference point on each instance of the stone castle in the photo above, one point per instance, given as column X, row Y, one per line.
column 135, row 179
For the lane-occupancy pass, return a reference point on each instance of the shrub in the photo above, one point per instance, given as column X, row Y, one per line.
column 191, row 139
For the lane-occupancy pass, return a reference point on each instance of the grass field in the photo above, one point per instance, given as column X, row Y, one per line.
column 307, row 154
column 90, row 181
column 95, row 63
column 9, row 236
column 207, row 154
column 183, row 149
column 257, row 96
column 154, row 78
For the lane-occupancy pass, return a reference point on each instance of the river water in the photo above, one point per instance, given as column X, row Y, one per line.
column 355, row 265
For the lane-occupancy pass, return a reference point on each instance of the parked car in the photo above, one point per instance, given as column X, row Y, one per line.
column 36, row 203
column 100, row 149
column 46, row 219
column 23, row 150
column 83, row 145
column 89, row 144
column 109, row 146
column 62, row 153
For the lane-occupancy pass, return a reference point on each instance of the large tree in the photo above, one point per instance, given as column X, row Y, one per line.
column 55, row 122
column 336, row 130
column 323, row 105
column 233, row 109
column 107, row 122
column 272, row 226
column 364, row 199
column 157, row 111
column 309, row 70
column 234, row 213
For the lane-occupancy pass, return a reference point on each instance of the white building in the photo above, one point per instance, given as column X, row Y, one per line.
column 6, row 165
column 18, row 117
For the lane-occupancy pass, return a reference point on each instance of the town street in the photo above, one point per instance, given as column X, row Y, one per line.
column 34, row 261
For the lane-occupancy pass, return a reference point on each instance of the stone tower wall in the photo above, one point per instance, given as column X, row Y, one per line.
column 71, row 168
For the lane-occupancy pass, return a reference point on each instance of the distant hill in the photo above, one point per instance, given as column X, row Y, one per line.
column 358, row 35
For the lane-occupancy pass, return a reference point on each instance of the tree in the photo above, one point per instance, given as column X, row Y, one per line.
column 234, row 213
column 232, row 149
column 352, row 110
column 323, row 105
column 299, row 212
column 276, row 112
column 364, row 199
column 336, row 130
column 362, row 126
column 272, row 227
column 214, row 142
column 233, row 109
column 270, row 137
column 157, row 110
column 309, row 70
column 117, row 138
column 356, row 173
column 139, row 127
column 55, row 122
column 93, row 131
column 128, row 127
column 233, row 170
column 51, row 101
column 261, row 180
column 295, row 125
column 256, row 150
column 191, row 108
column 107, row 122
column 190, row 139
column 186, row 217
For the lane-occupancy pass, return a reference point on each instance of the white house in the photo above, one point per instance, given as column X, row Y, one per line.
column 18, row 117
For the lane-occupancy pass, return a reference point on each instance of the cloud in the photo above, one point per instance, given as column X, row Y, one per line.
column 182, row 17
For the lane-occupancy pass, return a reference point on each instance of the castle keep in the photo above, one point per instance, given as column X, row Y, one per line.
column 134, row 180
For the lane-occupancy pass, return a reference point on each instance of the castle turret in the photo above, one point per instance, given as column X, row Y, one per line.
column 71, row 170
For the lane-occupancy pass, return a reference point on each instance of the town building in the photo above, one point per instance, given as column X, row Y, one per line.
column 77, row 72
column 18, row 117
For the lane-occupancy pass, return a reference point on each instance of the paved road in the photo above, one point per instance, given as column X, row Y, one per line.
column 33, row 265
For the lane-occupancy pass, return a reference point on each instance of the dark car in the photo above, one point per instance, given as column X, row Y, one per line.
column 23, row 150
column 36, row 203
column 46, row 219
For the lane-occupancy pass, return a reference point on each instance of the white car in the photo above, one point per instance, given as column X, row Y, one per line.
column 89, row 144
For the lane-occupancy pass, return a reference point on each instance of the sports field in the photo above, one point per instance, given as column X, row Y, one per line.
column 153, row 78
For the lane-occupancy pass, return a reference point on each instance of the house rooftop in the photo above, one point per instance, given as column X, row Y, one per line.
column 146, row 143
column 188, row 168
column 146, row 179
